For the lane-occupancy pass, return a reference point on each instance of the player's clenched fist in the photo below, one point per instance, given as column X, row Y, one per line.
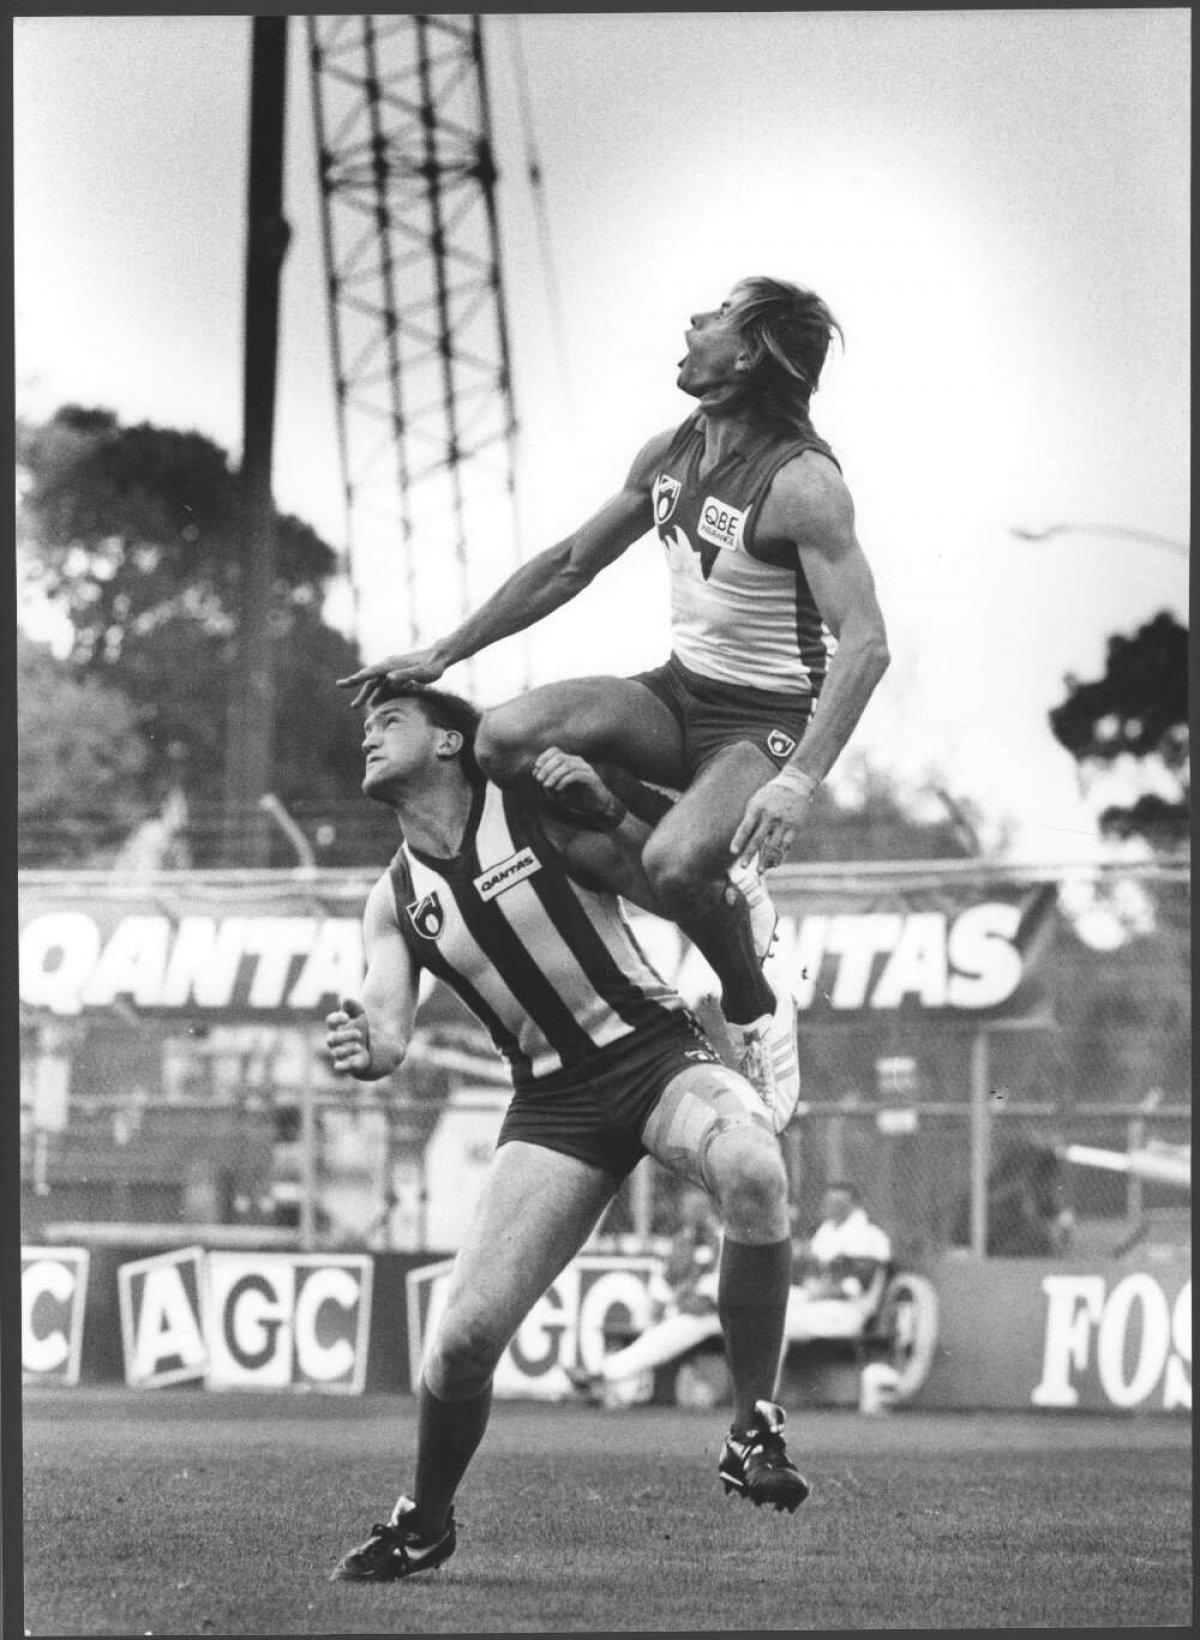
column 558, row 771
column 348, row 1038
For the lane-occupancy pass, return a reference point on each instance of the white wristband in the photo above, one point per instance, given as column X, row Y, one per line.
column 798, row 780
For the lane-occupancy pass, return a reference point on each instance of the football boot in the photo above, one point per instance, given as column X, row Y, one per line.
column 396, row 1549
column 754, row 1462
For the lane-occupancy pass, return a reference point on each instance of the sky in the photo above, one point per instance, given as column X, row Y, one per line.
column 994, row 203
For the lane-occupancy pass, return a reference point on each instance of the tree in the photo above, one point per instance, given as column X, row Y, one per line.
column 134, row 532
column 1138, row 709
column 879, row 822
column 81, row 762
column 132, row 525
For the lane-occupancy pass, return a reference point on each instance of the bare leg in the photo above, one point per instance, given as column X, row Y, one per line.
column 607, row 718
column 686, row 860
column 687, row 856
column 706, row 1127
column 537, row 1209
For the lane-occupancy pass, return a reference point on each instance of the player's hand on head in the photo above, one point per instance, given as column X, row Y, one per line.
column 348, row 1037
column 421, row 666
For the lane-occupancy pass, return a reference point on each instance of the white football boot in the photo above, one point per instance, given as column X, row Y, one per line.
column 768, row 1056
column 764, row 919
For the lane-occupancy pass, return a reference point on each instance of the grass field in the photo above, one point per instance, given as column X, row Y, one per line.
column 190, row 1513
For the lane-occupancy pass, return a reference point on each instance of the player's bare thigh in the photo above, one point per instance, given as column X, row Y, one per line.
column 596, row 717
column 692, row 840
column 535, row 1212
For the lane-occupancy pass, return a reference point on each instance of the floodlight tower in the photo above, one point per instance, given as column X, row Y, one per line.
column 252, row 696
column 418, row 333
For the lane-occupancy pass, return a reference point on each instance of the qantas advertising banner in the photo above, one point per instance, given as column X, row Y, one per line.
column 962, row 951
column 965, row 951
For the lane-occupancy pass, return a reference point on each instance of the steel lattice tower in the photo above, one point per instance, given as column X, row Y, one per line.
column 419, row 338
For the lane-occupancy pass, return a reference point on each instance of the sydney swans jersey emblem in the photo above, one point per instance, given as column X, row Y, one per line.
column 719, row 525
column 666, row 494
column 427, row 916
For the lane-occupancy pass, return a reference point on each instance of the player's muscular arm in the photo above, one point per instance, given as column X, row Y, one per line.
column 819, row 515
column 368, row 1039
column 538, row 588
column 809, row 504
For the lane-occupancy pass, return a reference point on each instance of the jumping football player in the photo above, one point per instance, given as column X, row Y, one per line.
column 767, row 576
column 513, row 910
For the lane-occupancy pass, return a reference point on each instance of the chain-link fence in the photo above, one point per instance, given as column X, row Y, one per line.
column 172, row 1074
column 256, row 1135
column 916, row 1169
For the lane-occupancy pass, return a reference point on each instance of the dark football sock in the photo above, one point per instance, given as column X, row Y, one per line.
column 720, row 929
column 448, row 1432
column 576, row 806
column 647, row 802
column 722, row 934
column 752, row 1295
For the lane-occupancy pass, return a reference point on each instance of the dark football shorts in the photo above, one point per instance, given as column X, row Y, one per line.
column 713, row 715
column 596, row 1111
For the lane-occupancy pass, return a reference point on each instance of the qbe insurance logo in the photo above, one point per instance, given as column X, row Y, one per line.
column 53, row 1292
column 247, row 1320
column 597, row 1304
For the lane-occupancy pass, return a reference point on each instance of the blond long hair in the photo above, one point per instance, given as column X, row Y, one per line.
column 787, row 330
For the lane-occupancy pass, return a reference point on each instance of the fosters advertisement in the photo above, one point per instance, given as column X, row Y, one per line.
column 1103, row 1337
column 964, row 951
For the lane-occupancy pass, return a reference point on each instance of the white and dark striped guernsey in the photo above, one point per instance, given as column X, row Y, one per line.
column 551, row 969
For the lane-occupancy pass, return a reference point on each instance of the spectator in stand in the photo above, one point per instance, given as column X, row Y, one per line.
column 685, row 1302
column 846, row 1253
column 838, row 1282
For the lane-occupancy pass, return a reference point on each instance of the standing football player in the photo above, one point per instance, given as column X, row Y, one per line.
column 514, row 911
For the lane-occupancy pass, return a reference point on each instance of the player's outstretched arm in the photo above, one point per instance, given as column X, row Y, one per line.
column 810, row 504
column 369, row 1039
column 535, row 590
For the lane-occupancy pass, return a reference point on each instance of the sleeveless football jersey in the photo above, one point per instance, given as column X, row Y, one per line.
column 552, row 970
column 738, row 614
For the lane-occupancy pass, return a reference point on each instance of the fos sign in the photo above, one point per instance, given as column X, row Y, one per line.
column 1130, row 1340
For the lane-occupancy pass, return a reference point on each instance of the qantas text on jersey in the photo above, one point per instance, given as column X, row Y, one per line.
column 514, row 870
